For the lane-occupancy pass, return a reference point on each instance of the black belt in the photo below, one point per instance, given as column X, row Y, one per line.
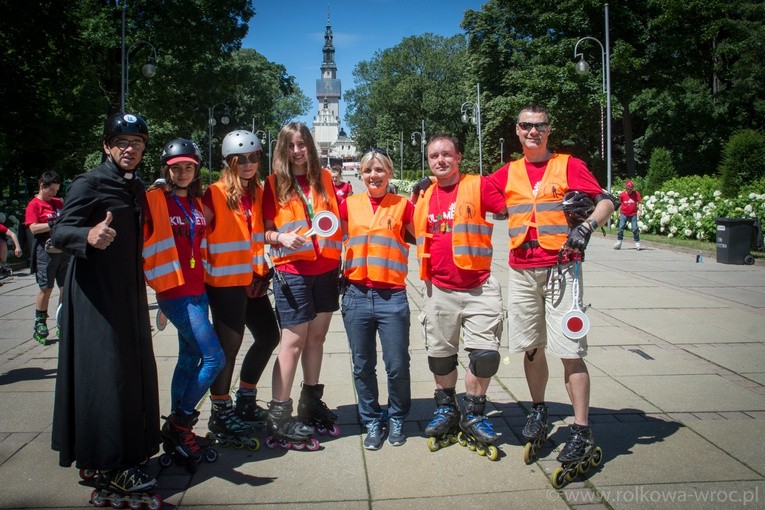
column 528, row 245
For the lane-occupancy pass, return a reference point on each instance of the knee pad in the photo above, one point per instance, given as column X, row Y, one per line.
column 442, row 366
column 483, row 363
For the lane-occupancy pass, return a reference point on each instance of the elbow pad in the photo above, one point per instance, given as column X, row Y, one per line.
column 608, row 196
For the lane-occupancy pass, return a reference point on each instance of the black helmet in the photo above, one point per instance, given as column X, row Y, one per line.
column 181, row 148
column 577, row 207
column 125, row 124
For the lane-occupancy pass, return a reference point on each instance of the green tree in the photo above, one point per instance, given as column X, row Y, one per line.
column 660, row 170
column 418, row 79
column 743, row 161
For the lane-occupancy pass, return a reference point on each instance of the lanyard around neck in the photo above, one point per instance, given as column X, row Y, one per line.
column 192, row 224
column 308, row 203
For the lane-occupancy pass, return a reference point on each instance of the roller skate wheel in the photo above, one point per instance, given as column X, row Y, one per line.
column 570, row 475
column 528, row 453
column 87, row 474
column 321, row 429
column 298, row 446
column 597, row 456
column 461, row 439
column 253, row 444
column 117, row 503
column 582, row 467
column 97, row 499
column 238, row 444
column 135, row 503
column 452, row 439
column 492, row 453
column 211, row 455
column 558, row 478
column 334, row 430
column 444, row 442
column 271, row 442
column 471, row 446
column 313, row 444
column 480, row 450
column 165, row 460
column 433, row 444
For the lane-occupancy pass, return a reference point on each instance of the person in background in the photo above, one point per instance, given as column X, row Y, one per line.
column 48, row 263
column 375, row 303
column 173, row 233
column 5, row 233
column 307, row 269
column 629, row 199
column 343, row 189
column 106, row 410
column 237, row 278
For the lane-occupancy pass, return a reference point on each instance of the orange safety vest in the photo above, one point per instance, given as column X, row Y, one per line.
column 232, row 249
column 291, row 216
column 545, row 207
column 161, row 264
column 375, row 248
column 471, row 233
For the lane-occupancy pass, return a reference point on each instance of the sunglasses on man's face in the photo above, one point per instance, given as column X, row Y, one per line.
column 242, row 159
column 540, row 126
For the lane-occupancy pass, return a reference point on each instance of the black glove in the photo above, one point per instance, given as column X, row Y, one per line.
column 578, row 238
column 422, row 185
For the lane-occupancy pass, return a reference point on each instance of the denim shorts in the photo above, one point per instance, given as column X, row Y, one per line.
column 299, row 298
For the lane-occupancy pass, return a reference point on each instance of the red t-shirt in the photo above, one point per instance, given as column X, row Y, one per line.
column 629, row 202
column 303, row 267
column 40, row 211
column 579, row 178
column 443, row 271
column 180, row 218
column 3, row 229
column 407, row 219
column 343, row 191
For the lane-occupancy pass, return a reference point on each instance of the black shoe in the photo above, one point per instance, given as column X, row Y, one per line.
column 396, row 436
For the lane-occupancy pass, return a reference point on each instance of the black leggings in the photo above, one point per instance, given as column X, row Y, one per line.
column 231, row 311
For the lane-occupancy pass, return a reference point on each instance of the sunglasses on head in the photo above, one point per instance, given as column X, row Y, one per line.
column 377, row 150
column 241, row 159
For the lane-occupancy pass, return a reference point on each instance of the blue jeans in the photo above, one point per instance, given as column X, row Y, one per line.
column 623, row 223
column 200, row 357
column 367, row 312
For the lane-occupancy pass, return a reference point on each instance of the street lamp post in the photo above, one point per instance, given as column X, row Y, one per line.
column 270, row 148
column 211, row 122
column 400, row 144
column 501, row 150
column 582, row 67
column 149, row 69
column 421, row 134
column 475, row 118
column 260, row 134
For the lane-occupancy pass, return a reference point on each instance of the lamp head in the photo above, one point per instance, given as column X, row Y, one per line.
column 582, row 67
column 149, row 70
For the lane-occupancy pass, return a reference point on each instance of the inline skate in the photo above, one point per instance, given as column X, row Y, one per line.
column 287, row 432
column 476, row 432
column 181, row 444
column 248, row 410
column 314, row 412
column 444, row 428
column 41, row 328
column 227, row 429
column 118, row 488
column 578, row 455
column 535, row 432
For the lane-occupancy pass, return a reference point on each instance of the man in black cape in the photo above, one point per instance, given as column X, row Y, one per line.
column 106, row 413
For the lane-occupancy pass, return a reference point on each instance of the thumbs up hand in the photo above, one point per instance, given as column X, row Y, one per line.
column 102, row 235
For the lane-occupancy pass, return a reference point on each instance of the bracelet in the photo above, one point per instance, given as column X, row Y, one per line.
column 277, row 237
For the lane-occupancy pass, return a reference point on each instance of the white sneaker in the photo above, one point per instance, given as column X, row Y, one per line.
column 637, row 246
column 618, row 245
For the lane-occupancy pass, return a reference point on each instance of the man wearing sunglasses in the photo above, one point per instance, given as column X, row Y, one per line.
column 106, row 412
column 534, row 187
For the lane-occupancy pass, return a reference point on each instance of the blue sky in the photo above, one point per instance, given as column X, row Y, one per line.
column 292, row 33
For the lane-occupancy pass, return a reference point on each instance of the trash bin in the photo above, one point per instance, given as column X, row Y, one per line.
column 734, row 238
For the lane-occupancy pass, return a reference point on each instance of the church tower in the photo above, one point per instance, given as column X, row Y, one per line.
column 326, row 125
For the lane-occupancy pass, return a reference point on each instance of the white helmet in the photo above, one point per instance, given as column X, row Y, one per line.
column 240, row 142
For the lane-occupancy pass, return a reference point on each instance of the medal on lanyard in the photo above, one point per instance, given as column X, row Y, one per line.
column 192, row 226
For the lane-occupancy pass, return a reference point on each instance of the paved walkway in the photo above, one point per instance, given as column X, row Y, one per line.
column 678, row 405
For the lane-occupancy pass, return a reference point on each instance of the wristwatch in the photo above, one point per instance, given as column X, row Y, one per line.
column 593, row 225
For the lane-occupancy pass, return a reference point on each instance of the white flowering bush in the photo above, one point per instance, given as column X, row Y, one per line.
column 688, row 207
